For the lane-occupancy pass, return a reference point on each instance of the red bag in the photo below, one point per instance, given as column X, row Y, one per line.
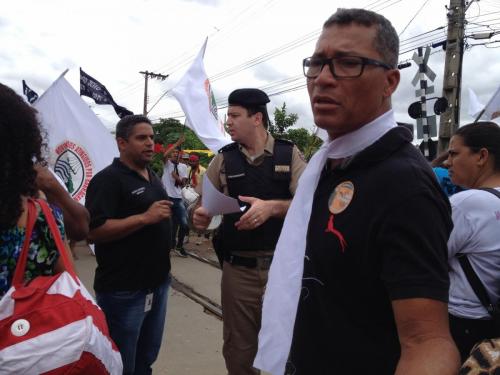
column 52, row 325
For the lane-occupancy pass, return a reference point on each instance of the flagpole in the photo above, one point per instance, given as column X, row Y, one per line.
column 480, row 114
column 53, row 83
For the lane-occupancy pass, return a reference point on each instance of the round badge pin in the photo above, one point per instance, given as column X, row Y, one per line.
column 341, row 197
column 20, row 327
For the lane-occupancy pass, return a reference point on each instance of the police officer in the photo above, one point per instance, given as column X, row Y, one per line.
column 262, row 173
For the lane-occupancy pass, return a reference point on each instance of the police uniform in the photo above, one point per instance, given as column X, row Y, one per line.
column 247, row 254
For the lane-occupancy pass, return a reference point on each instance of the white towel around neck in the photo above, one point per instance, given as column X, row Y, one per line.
column 285, row 276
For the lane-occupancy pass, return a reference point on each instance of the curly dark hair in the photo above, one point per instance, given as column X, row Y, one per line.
column 20, row 150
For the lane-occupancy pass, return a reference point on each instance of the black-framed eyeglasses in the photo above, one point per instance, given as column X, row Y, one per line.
column 341, row 67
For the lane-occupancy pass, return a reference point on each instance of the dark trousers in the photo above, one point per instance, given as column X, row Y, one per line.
column 468, row 332
column 179, row 222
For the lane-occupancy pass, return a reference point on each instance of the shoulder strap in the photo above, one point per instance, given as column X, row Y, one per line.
column 56, row 235
column 18, row 277
column 475, row 283
column 471, row 275
column 492, row 191
column 228, row 147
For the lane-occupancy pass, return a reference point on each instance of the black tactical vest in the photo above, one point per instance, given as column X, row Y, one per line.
column 269, row 180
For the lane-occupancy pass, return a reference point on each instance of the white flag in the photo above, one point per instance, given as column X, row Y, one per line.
column 475, row 106
column 492, row 109
column 79, row 144
column 194, row 94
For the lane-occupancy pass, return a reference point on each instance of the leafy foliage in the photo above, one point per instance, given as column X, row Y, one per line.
column 168, row 131
column 306, row 141
column 282, row 120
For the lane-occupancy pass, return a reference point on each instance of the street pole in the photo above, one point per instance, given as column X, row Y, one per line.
column 452, row 77
column 145, row 108
column 146, row 76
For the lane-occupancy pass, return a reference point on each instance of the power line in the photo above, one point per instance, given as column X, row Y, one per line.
column 308, row 37
column 416, row 14
column 388, row 6
column 185, row 58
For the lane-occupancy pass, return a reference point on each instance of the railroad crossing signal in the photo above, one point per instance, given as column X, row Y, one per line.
column 424, row 69
column 426, row 125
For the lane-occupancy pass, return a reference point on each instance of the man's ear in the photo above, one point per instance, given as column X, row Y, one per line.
column 259, row 118
column 121, row 142
column 392, row 81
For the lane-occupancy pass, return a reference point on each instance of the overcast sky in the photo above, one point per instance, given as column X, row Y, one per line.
column 251, row 43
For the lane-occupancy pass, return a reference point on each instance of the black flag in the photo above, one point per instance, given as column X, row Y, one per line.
column 30, row 94
column 94, row 89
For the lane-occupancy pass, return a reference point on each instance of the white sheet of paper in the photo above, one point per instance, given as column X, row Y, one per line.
column 217, row 203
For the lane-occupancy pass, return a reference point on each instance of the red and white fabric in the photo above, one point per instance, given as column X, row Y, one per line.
column 52, row 325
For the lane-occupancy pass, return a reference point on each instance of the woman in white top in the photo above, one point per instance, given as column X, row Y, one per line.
column 474, row 163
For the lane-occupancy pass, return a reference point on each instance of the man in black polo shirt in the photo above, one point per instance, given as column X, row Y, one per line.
column 130, row 226
column 359, row 282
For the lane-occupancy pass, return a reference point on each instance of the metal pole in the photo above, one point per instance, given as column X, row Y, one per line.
column 145, row 108
column 450, row 119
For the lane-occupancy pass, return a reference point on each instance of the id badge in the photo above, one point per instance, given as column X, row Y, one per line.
column 149, row 302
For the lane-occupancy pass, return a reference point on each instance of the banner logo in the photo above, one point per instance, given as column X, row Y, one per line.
column 212, row 105
column 74, row 167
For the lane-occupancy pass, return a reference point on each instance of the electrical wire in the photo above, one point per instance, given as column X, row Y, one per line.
column 416, row 14
column 410, row 44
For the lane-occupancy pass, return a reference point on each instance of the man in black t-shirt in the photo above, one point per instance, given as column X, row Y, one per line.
column 130, row 225
column 373, row 293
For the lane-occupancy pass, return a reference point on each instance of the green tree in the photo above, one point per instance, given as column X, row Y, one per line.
column 168, row 131
column 282, row 121
column 313, row 144
column 299, row 136
column 305, row 140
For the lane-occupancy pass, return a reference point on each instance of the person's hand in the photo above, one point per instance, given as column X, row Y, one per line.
column 201, row 218
column 256, row 215
column 45, row 180
column 181, row 140
column 158, row 211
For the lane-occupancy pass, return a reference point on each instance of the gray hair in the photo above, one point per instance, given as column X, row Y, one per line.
column 386, row 40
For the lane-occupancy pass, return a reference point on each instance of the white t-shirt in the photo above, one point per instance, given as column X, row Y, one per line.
column 476, row 232
column 169, row 182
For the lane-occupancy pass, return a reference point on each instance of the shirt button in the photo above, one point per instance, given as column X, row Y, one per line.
column 20, row 327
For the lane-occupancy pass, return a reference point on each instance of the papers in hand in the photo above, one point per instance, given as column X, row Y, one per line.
column 217, row 203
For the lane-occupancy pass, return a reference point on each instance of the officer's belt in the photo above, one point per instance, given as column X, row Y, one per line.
column 256, row 262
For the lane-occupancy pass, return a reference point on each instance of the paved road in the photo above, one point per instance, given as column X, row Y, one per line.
column 192, row 341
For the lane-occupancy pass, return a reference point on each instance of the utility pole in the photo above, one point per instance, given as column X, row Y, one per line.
column 146, row 76
column 452, row 78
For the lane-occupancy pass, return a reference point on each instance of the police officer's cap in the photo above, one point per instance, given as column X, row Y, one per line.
column 248, row 97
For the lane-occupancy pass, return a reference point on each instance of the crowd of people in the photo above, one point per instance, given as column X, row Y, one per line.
column 358, row 262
